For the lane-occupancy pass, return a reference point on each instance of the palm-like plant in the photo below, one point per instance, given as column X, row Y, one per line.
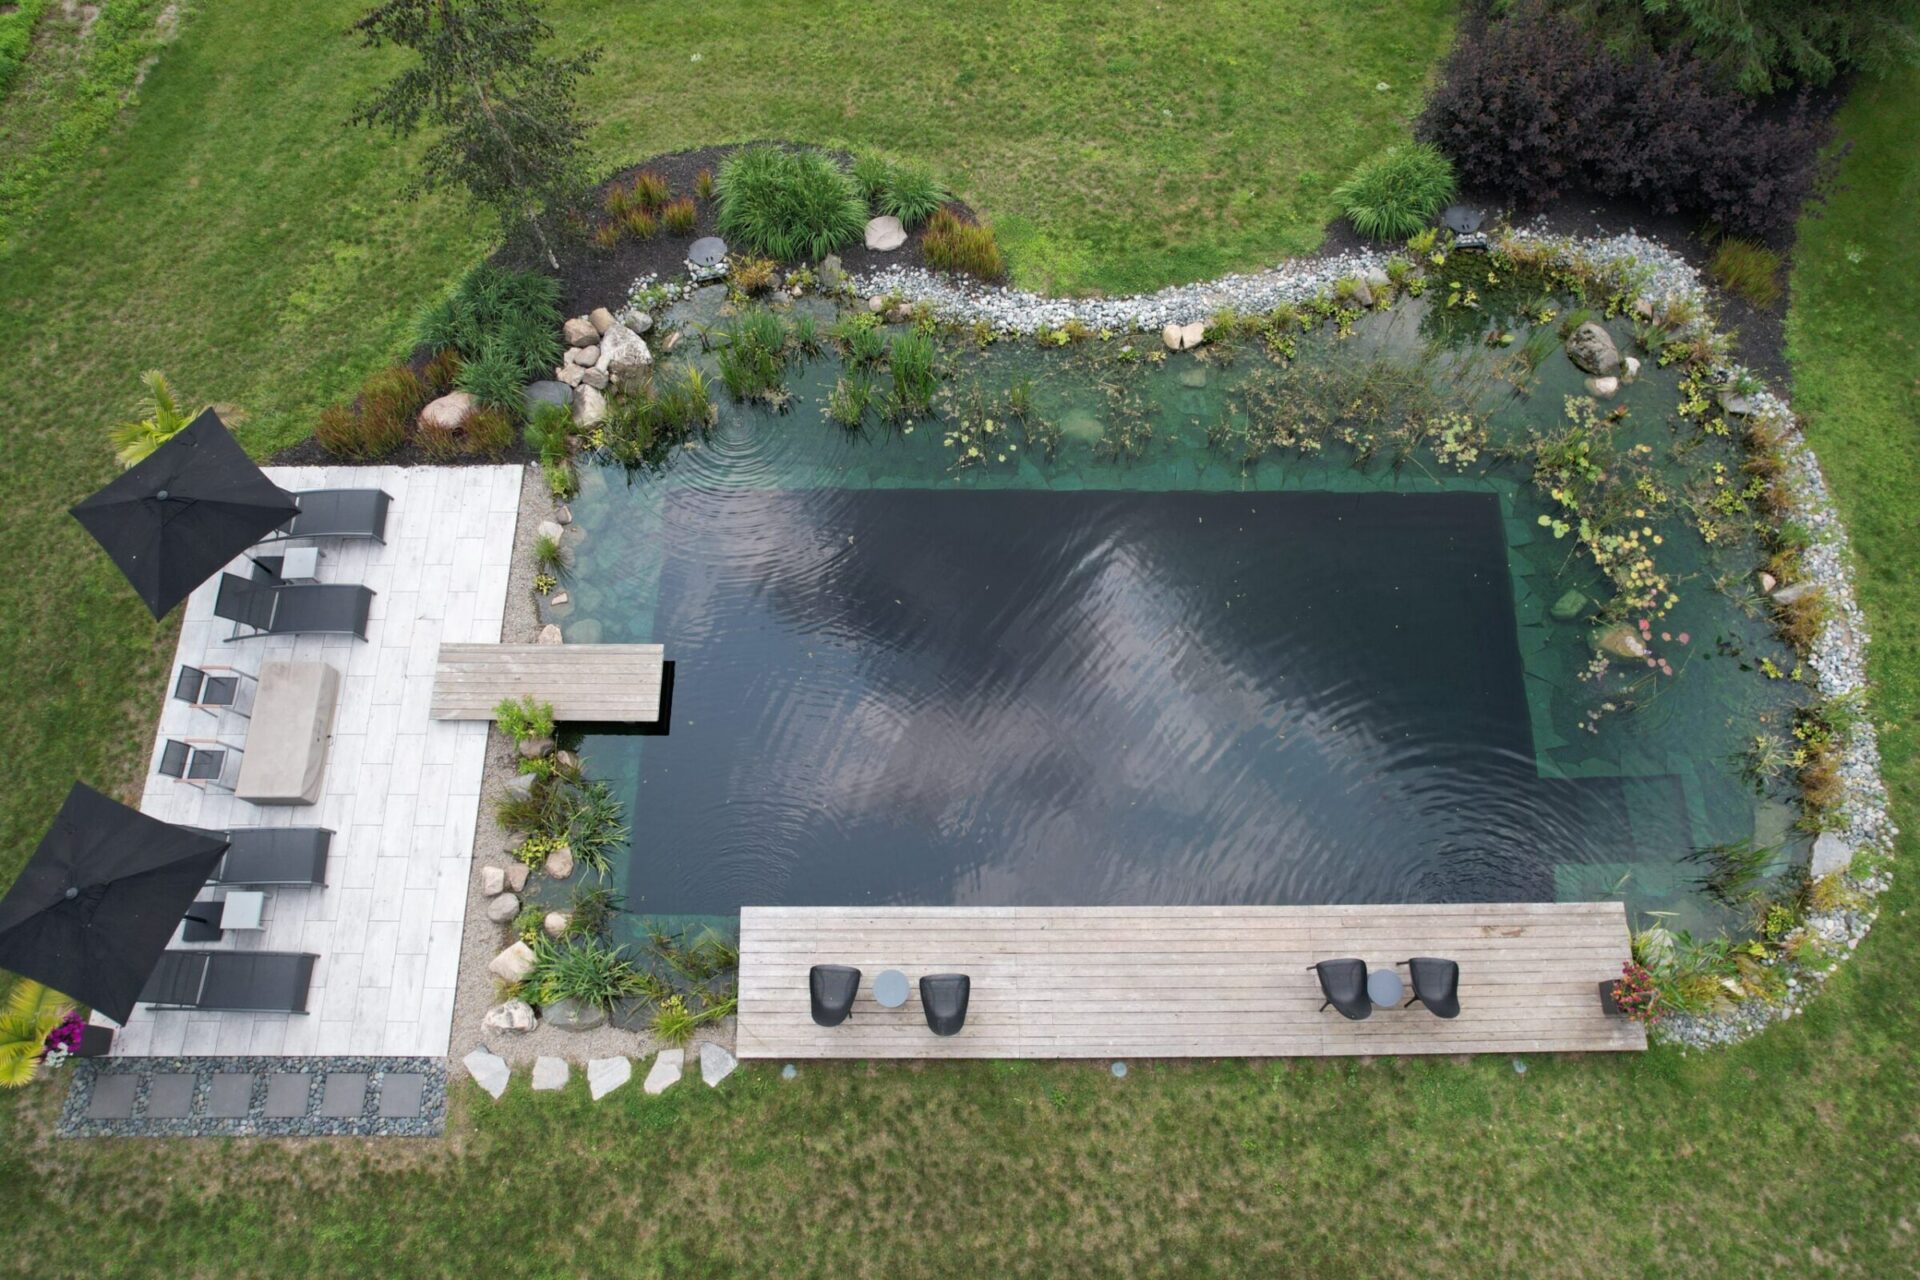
column 133, row 441
column 29, row 1016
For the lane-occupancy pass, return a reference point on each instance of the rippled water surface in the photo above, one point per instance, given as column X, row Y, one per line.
column 1173, row 679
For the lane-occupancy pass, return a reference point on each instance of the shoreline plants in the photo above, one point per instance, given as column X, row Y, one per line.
column 792, row 205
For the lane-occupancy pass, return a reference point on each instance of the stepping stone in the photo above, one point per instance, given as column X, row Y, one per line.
column 489, row 1071
column 345, row 1095
column 716, row 1064
column 170, row 1096
column 231, row 1095
column 401, row 1094
column 287, row 1096
column 604, row 1075
column 549, row 1074
column 707, row 251
column 113, row 1096
column 665, row 1071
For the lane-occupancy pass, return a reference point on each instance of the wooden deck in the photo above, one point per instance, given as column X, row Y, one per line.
column 1152, row 982
column 591, row 682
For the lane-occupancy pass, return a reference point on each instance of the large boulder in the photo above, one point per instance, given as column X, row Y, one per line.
column 503, row 908
column 571, row 374
column 560, row 862
column 555, row 923
column 547, row 392
column 1184, row 337
column 517, row 873
column 447, row 414
column 581, row 332
column 571, row 1015
column 516, row 1016
column 1830, row 855
column 493, row 880
column 624, row 357
column 601, row 319
column 513, row 964
column 1591, row 348
column 885, row 234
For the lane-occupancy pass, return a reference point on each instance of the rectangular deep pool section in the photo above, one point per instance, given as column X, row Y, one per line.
column 1024, row 697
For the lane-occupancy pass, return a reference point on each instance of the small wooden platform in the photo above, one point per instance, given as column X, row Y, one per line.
column 1154, row 982
column 583, row 682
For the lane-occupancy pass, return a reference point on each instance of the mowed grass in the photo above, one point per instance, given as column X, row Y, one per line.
column 1796, row 1154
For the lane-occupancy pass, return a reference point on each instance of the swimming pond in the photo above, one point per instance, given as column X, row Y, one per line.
column 1215, row 631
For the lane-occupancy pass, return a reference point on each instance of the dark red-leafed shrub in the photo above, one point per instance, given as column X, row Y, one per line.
column 1534, row 107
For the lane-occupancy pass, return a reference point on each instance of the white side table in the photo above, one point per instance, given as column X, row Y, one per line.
column 242, row 909
column 300, row 564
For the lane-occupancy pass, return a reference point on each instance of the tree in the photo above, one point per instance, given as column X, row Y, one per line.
column 509, row 129
column 133, row 441
column 28, row 1016
column 1760, row 46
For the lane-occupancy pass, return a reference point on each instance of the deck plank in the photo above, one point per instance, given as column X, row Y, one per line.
column 583, row 682
column 1081, row 982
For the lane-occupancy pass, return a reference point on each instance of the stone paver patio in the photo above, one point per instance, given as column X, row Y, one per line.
column 401, row 792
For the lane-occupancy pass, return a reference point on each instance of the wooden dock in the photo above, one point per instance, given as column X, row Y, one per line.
column 583, row 682
column 1163, row 982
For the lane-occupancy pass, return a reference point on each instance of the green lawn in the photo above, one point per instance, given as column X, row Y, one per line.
column 231, row 234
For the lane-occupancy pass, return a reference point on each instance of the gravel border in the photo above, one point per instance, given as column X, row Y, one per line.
column 430, row 1123
column 481, row 939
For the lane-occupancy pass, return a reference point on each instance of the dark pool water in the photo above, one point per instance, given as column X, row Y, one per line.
column 926, row 696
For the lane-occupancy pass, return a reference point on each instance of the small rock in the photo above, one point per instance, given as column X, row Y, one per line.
column 601, row 319
column 571, row 1015
column 716, row 1064
column 449, row 413
column 559, row 600
column 664, row 1073
column 1794, row 591
column 673, row 340
column 1362, row 294
column 504, row 907
column 539, row 393
column 876, row 304
column 549, row 634
column 900, row 314
column 595, row 378
column 638, row 321
column 549, row 529
column 584, row 357
column 1629, row 368
column 563, row 514
column 560, row 862
column 707, row 251
column 549, row 1074
column 1195, row 377
column 1767, row 582
column 833, row 273
column 513, row 964
column 1643, row 308
column 589, row 406
column 493, row 880
column 885, row 234
column 1621, row 640
column 1734, row 402
column 1183, row 337
column 555, row 924
column 1591, row 348
column 1569, row 606
column 580, row 332
column 604, row 1075
column 1830, row 855
column 566, row 760
column 519, row 787
column 1603, row 388
column 489, row 1071
column 517, row 874
column 514, row 1015
column 534, row 748
column 1376, row 277
column 570, row 374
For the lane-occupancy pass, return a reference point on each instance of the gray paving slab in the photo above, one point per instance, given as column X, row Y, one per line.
column 401, row 1094
column 113, row 1097
column 345, row 1095
column 170, row 1096
column 287, row 1096
column 230, row 1095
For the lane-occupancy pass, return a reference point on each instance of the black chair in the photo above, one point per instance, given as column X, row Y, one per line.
column 212, row 765
column 231, row 981
column 202, row 690
column 202, row 923
column 1344, row 984
column 336, row 513
column 943, row 996
column 1436, row 984
column 266, row 609
column 274, row 856
column 94, row 1042
column 831, row 989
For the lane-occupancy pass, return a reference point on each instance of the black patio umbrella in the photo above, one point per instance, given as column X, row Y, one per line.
column 100, row 898
column 181, row 514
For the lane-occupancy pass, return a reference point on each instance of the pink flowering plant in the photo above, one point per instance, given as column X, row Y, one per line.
column 64, row 1039
column 1636, row 994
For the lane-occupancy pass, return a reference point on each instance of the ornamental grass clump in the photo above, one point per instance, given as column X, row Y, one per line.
column 792, row 205
column 952, row 244
column 510, row 317
column 1397, row 192
column 1748, row 269
column 585, row 970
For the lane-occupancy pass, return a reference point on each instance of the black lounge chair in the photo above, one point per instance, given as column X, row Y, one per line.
column 1436, row 984
column 943, row 996
column 1344, row 983
column 336, row 513
column 289, row 856
column 268, row 610
column 831, row 989
column 231, row 981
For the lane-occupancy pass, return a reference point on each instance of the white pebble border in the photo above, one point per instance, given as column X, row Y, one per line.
column 1661, row 276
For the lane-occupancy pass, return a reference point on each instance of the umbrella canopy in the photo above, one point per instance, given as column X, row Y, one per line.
column 100, row 898
column 181, row 514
